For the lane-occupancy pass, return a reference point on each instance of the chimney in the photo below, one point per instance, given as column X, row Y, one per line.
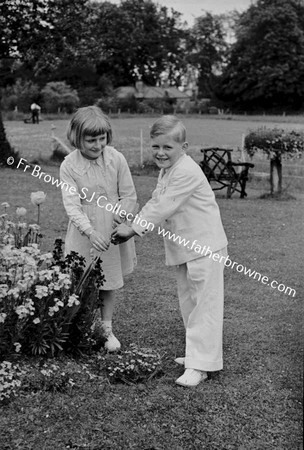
column 139, row 85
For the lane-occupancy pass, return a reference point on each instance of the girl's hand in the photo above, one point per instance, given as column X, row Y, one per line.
column 99, row 242
column 122, row 234
column 116, row 221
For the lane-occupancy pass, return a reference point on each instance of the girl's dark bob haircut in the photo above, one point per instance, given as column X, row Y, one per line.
column 88, row 121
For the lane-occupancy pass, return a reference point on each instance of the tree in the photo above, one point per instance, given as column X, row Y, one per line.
column 207, row 48
column 38, row 36
column 266, row 65
column 19, row 22
column 138, row 38
column 78, row 41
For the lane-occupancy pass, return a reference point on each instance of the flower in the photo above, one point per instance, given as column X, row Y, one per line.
column 38, row 197
column 17, row 346
column 41, row 291
column 34, row 227
column 21, row 211
column 2, row 317
column 5, row 205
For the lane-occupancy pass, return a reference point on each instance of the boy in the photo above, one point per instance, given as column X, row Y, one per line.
column 184, row 204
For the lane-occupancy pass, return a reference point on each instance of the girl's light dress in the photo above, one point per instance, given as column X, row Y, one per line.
column 90, row 191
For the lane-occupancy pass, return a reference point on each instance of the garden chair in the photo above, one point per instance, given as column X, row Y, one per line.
column 218, row 167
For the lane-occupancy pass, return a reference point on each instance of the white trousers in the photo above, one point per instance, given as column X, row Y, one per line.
column 200, row 285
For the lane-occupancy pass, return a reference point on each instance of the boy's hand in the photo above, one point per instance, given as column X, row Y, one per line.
column 122, row 233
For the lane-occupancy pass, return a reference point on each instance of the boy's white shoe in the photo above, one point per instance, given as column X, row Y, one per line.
column 191, row 378
column 112, row 344
column 180, row 361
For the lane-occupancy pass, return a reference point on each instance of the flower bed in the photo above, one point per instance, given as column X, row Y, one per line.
column 42, row 311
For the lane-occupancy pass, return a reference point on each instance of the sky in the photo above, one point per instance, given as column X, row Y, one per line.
column 194, row 8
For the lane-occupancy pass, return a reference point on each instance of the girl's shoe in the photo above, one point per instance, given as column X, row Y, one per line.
column 112, row 344
column 191, row 378
column 180, row 361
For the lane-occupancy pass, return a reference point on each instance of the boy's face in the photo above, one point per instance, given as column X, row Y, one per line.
column 166, row 151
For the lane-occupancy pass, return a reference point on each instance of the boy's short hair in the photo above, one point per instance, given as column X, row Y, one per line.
column 88, row 121
column 169, row 125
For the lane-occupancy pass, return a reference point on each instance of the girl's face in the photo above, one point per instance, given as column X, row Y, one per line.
column 92, row 146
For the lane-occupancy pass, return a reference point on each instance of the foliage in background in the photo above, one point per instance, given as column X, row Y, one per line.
column 252, row 61
column 59, row 97
column 265, row 69
column 207, row 48
column 20, row 95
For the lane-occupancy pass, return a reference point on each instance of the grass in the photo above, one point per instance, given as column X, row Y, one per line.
column 254, row 403
column 34, row 141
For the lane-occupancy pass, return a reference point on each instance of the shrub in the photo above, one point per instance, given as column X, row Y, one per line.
column 275, row 143
column 88, row 95
column 58, row 96
column 107, row 104
column 144, row 108
column 160, row 105
column 128, row 104
column 47, row 300
column 21, row 94
column 132, row 366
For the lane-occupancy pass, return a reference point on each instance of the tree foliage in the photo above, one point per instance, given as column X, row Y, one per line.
column 138, row 39
column 207, row 49
column 76, row 38
column 83, row 41
column 266, row 65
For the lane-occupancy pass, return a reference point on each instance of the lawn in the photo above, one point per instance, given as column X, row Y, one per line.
column 34, row 141
column 254, row 403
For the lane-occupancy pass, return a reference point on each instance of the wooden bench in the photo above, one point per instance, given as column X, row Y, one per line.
column 218, row 166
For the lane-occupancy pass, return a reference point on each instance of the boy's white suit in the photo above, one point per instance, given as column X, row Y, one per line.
column 184, row 204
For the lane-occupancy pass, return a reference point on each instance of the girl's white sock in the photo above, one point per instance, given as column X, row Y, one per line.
column 106, row 325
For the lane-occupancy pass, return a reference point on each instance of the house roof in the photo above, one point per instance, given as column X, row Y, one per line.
column 150, row 92
column 173, row 92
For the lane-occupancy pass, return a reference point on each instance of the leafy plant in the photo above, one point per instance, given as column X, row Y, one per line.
column 132, row 366
column 277, row 145
column 47, row 300
column 10, row 380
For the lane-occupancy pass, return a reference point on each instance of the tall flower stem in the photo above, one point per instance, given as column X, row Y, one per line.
column 38, row 220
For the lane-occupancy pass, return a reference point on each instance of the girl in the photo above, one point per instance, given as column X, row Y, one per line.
column 97, row 178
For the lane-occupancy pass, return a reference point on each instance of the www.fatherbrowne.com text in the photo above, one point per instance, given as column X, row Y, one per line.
column 149, row 226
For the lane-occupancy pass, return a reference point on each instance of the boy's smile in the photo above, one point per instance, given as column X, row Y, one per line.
column 92, row 146
column 166, row 151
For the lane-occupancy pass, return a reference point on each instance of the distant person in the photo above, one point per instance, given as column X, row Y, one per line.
column 35, row 110
column 184, row 204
